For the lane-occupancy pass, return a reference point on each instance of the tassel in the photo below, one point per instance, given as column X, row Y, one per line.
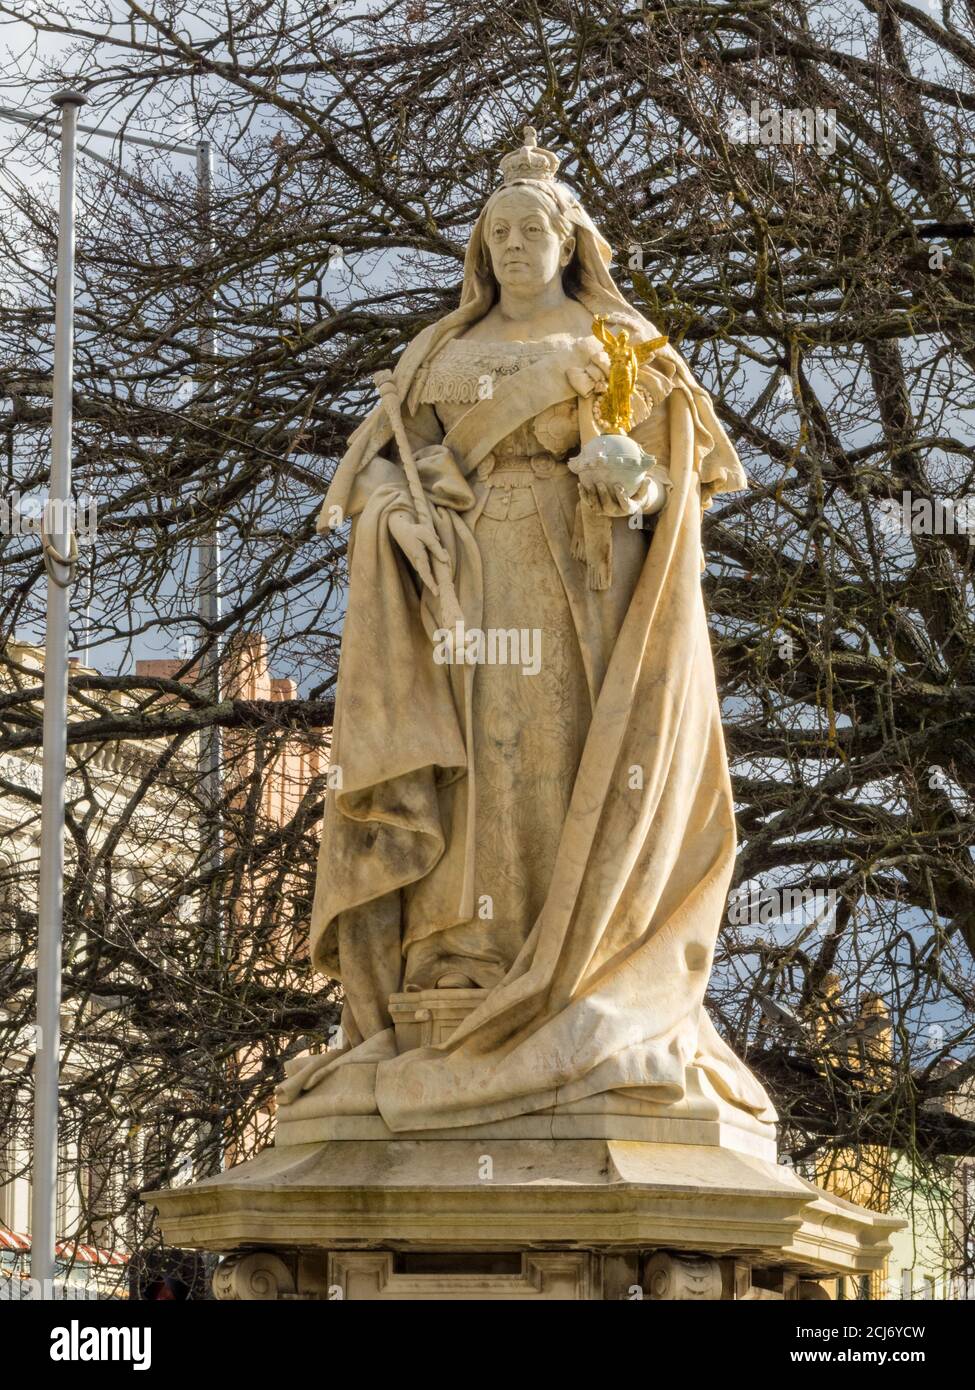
column 592, row 542
column 578, row 535
column 599, row 548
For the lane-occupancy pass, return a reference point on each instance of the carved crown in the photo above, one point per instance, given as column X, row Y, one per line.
column 530, row 161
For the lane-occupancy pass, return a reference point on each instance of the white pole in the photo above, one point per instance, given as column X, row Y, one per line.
column 59, row 551
column 208, row 548
column 208, row 592
column 209, row 608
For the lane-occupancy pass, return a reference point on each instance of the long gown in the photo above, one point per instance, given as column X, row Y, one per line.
column 529, row 728
column 565, row 839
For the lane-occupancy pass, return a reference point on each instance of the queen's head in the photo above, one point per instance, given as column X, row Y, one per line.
column 532, row 229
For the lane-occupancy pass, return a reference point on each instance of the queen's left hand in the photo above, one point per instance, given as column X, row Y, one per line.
column 607, row 500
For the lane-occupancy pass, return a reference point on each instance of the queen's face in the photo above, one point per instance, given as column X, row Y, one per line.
column 527, row 252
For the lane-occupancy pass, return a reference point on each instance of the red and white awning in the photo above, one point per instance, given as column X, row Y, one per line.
column 67, row 1250
column 88, row 1254
column 13, row 1240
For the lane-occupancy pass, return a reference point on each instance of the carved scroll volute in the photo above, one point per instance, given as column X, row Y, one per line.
column 681, row 1277
column 258, row 1276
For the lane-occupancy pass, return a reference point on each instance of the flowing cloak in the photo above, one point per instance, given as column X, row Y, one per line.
column 607, row 993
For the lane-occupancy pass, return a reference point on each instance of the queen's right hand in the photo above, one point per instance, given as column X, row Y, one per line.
column 419, row 543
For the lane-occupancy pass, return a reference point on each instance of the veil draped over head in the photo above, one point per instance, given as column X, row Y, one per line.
column 721, row 470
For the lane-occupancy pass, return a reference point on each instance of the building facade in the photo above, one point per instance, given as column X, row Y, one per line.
column 110, row 786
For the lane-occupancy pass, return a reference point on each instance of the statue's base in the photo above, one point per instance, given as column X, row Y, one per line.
column 498, row 1218
column 342, row 1106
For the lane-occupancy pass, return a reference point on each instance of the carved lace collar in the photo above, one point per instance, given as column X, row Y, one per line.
column 463, row 368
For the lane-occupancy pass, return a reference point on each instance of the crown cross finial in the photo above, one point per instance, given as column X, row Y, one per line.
column 530, row 161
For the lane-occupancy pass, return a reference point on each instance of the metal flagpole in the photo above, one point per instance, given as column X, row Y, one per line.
column 55, row 685
column 208, row 577
column 59, row 558
column 209, row 610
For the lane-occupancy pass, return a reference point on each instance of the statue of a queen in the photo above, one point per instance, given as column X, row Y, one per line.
column 548, row 821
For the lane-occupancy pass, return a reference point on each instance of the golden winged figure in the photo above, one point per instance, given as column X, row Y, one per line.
column 625, row 358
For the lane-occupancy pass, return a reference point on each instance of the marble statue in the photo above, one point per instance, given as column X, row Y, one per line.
column 532, row 809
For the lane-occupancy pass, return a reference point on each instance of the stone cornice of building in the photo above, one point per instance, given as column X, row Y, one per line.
column 115, row 757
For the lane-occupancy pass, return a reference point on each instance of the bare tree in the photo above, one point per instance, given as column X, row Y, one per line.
column 788, row 190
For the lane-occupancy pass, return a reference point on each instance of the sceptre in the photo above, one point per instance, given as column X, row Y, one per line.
column 450, row 610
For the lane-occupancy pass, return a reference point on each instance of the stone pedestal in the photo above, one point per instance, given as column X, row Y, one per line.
column 605, row 1198
column 520, row 1218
